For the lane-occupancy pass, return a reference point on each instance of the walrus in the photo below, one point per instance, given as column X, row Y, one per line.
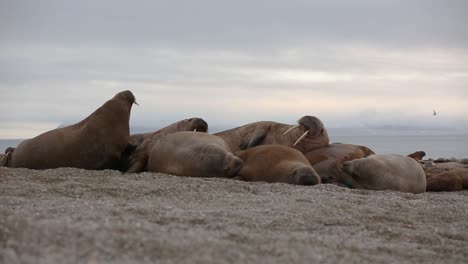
column 135, row 160
column 384, row 172
column 96, row 142
column 307, row 135
column 193, row 154
column 417, row 155
column 276, row 163
column 443, row 182
column 5, row 161
column 326, row 159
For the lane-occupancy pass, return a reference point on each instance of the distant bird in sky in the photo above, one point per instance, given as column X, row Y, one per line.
column 434, row 112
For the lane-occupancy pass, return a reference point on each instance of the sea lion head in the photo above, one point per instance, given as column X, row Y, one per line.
column 311, row 134
column 232, row 165
column 126, row 96
column 194, row 124
column 305, row 176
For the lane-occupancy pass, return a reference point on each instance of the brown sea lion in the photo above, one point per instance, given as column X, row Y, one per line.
column 276, row 163
column 193, row 154
column 443, row 182
column 326, row 159
column 463, row 174
column 136, row 160
column 308, row 135
column 384, row 172
column 5, row 161
column 97, row 142
column 418, row 155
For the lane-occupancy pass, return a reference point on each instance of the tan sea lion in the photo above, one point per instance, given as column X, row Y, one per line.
column 326, row 159
column 276, row 163
column 418, row 155
column 384, row 172
column 307, row 135
column 193, row 154
column 97, row 142
column 136, row 160
column 443, row 182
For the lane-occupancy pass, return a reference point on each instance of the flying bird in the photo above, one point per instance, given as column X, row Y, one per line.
column 434, row 112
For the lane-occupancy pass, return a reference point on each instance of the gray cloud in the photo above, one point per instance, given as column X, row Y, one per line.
column 235, row 62
column 236, row 24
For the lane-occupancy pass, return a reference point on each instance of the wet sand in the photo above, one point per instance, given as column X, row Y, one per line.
column 72, row 215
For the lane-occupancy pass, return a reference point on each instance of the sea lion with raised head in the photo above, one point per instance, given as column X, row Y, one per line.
column 417, row 155
column 326, row 159
column 276, row 163
column 307, row 135
column 384, row 172
column 193, row 154
column 97, row 142
column 136, row 160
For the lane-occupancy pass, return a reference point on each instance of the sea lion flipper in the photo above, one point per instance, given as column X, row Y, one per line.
column 255, row 140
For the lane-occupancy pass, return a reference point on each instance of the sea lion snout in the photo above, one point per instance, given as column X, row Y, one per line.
column 233, row 166
column 305, row 176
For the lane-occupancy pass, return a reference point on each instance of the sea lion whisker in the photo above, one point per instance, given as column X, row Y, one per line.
column 299, row 139
column 135, row 102
column 290, row 129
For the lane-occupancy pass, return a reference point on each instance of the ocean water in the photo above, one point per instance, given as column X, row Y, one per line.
column 435, row 146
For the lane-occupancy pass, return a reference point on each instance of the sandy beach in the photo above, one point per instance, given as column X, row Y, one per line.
column 71, row 215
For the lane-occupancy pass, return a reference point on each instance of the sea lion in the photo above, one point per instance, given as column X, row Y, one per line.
column 384, row 172
column 5, row 161
column 276, row 163
column 307, row 135
column 193, row 154
column 463, row 174
column 97, row 142
column 136, row 160
column 443, row 182
column 418, row 155
column 326, row 159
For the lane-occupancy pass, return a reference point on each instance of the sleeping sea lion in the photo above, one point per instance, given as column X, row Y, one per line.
column 443, row 182
column 135, row 160
column 384, row 172
column 307, row 135
column 276, row 163
column 326, row 159
column 193, row 154
column 97, row 142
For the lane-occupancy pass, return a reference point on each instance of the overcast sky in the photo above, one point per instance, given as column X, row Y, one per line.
column 351, row 63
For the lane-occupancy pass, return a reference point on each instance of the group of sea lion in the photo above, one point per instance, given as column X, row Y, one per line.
column 261, row 151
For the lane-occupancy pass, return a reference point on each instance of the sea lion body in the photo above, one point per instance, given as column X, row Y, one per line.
column 193, row 154
column 268, row 132
column 443, row 182
column 326, row 159
column 96, row 142
column 136, row 159
column 385, row 172
column 276, row 163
